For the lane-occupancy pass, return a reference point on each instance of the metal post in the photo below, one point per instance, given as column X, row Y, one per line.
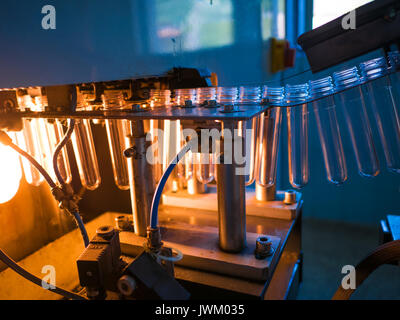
column 140, row 177
column 231, row 201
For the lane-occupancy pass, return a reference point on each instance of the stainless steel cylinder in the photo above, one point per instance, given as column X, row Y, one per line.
column 141, row 180
column 265, row 193
column 231, row 205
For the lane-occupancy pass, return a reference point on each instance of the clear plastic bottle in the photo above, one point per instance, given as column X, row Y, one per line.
column 113, row 100
column 250, row 96
column 205, row 94
column 227, row 95
column 381, row 99
column 183, row 95
column 27, row 140
column 352, row 103
column 206, row 168
column 159, row 98
column 85, row 154
column 297, row 117
column 268, row 139
column 328, row 130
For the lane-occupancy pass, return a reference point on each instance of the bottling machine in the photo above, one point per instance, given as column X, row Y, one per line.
column 199, row 160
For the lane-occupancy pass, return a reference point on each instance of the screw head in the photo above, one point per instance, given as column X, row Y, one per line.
column 105, row 231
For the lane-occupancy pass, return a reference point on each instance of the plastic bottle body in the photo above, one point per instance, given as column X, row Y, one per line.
column 85, row 154
column 205, row 94
column 328, row 130
column 250, row 96
column 353, row 106
column 381, row 99
column 270, row 125
column 268, row 138
column 113, row 100
column 27, row 140
column 116, row 144
column 297, row 120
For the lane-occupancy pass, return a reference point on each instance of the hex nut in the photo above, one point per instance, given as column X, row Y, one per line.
column 263, row 248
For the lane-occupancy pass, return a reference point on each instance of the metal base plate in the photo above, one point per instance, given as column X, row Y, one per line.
column 208, row 201
column 200, row 249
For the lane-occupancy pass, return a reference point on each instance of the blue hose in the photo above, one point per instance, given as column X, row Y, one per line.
column 163, row 181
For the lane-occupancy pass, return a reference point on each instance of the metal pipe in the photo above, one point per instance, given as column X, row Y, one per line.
column 231, row 200
column 141, row 180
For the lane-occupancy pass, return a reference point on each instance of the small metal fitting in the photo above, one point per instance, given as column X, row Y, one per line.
column 263, row 248
column 210, row 104
column 131, row 152
column 106, row 232
column 229, row 108
column 126, row 285
column 123, row 223
column 154, row 242
column 290, row 197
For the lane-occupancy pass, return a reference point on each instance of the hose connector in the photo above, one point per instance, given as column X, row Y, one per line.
column 66, row 198
column 154, row 242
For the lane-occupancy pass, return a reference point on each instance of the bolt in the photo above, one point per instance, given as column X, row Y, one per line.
column 123, row 223
column 126, row 285
column 290, row 197
column 263, row 248
column 105, row 232
column 130, row 152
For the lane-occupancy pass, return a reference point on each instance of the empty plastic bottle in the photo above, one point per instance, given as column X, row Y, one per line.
column 351, row 100
column 328, row 129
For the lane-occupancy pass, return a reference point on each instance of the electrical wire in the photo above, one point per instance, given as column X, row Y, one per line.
column 29, row 276
column 81, row 226
column 6, row 140
column 59, row 147
column 163, row 181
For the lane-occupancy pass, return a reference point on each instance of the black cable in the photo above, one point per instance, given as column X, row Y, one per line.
column 29, row 276
column 59, row 147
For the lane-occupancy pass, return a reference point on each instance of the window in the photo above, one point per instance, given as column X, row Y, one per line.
column 327, row 10
column 192, row 24
column 273, row 19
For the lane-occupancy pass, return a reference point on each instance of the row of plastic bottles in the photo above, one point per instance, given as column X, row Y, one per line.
column 350, row 91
